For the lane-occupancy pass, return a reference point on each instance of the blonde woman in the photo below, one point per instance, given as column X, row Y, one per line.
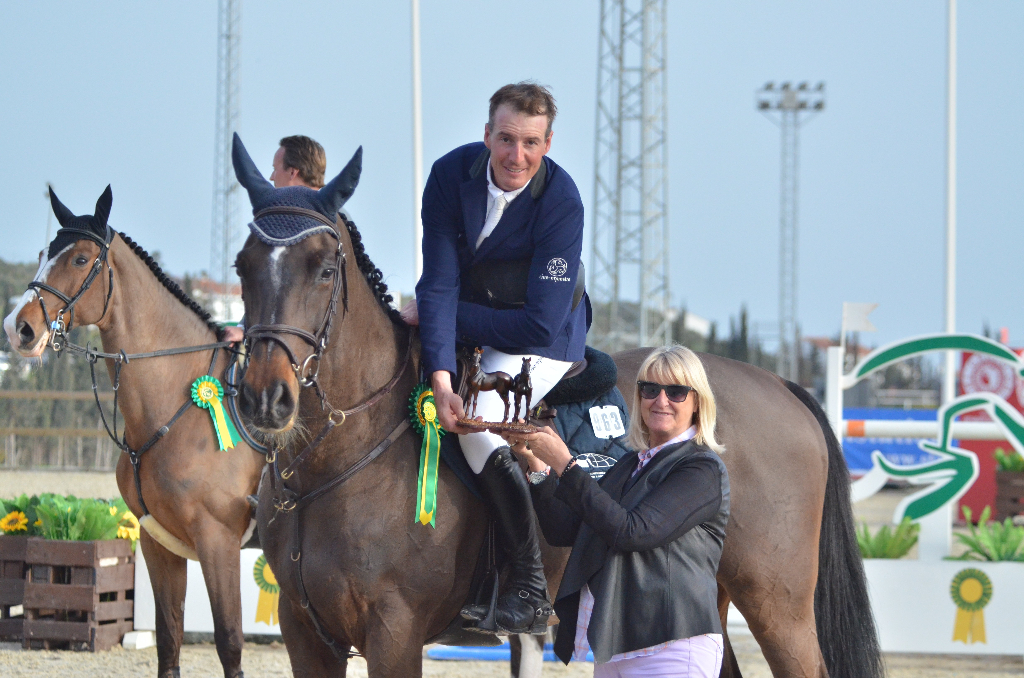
column 639, row 588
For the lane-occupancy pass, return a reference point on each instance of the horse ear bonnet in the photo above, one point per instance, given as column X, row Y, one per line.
column 287, row 229
column 95, row 223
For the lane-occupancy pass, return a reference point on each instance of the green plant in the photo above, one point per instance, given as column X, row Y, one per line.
column 888, row 543
column 1012, row 462
column 74, row 519
column 68, row 518
column 998, row 541
column 24, row 505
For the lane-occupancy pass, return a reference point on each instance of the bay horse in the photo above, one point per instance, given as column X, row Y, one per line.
column 329, row 373
column 379, row 582
column 194, row 492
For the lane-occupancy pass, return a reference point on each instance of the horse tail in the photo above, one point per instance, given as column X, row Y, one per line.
column 842, row 610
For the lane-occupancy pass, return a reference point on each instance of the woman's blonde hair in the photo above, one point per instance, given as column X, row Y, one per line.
column 676, row 365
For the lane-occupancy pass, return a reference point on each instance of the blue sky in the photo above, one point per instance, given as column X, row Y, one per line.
column 123, row 93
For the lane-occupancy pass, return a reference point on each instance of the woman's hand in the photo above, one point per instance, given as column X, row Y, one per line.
column 544, row 445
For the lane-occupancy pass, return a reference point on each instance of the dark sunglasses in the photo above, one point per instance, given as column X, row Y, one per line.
column 650, row 390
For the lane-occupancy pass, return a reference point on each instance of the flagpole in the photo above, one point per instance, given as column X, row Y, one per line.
column 949, row 373
column 842, row 341
column 417, row 140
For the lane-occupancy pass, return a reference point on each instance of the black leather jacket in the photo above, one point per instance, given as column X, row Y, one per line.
column 647, row 545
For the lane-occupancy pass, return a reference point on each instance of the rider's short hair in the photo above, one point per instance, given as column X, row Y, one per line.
column 676, row 365
column 306, row 156
column 525, row 97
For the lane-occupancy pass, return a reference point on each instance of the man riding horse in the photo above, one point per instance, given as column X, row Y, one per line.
column 502, row 238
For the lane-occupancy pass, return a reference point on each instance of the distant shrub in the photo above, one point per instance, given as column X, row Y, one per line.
column 888, row 543
column 998, row 541
column 1012, row 462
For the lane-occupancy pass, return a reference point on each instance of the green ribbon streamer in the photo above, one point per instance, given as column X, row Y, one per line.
column 424, row 420
column 207, row 393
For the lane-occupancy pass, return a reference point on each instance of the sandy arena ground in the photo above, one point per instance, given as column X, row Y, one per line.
column 271, row 660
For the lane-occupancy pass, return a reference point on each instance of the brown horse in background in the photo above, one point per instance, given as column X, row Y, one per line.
column 195, row 493
column 379, row 582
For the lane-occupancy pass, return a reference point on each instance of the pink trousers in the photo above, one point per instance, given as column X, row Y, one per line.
column 697, row 657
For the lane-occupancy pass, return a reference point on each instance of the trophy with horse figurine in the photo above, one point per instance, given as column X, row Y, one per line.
column 519, row 387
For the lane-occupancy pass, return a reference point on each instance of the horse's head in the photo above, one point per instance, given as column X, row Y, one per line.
column 69, row 285
column 292, row 272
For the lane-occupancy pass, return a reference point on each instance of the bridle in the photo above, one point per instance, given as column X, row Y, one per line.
column 59, row 342
column 58, row 339
column 286, row 500
column 308, row 369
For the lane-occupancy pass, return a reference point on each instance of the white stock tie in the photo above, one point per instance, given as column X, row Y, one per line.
column 500, row 203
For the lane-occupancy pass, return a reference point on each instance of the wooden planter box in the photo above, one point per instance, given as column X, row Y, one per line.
column 12, row 587
column 73, row 595
column 1009, row 494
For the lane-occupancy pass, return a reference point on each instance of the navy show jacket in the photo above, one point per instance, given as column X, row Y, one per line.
column 543, row 224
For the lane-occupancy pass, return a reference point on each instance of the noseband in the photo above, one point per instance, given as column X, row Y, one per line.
column 58, row 327
column 306, row 370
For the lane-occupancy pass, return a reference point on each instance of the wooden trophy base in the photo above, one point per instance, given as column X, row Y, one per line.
column 505, row 427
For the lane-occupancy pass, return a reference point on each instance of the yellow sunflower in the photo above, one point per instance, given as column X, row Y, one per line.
column 15, row 521
column 113, row 510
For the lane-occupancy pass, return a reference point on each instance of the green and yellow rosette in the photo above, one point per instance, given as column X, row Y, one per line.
column 423, row 413
column 971, row 590
column 207, row 393
column 266, row 606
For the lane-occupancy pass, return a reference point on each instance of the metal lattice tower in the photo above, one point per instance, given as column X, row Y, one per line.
column 225, row 187
column 789, row 107
column 629, row 259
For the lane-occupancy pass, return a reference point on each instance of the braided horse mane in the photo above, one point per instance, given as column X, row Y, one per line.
column 374, row 276
column 170, row 285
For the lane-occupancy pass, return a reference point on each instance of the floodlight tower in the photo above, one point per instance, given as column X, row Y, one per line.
column 631, row 175
column 225, row 187
column 789, row 107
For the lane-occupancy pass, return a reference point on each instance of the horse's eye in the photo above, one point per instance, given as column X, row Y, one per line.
column 327, row 273
column 80, row 260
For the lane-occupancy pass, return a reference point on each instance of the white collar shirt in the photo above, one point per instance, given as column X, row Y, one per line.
column 645, row 457
column 494, row 215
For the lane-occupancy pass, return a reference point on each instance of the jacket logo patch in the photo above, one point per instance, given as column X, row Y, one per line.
column 557, row 268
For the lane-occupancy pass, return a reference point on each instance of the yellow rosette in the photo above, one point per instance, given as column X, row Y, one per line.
column 971, row 590
column 207, row 394
column 266, row 606
column 423, row 414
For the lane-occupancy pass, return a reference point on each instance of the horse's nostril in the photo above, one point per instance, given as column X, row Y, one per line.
column 281, row 403
column 248, row 401
column 25, row 333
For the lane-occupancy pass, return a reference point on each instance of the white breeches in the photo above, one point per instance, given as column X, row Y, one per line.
column 544, row 374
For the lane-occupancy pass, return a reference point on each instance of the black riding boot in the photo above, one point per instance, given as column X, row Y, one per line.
column 523, row 605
